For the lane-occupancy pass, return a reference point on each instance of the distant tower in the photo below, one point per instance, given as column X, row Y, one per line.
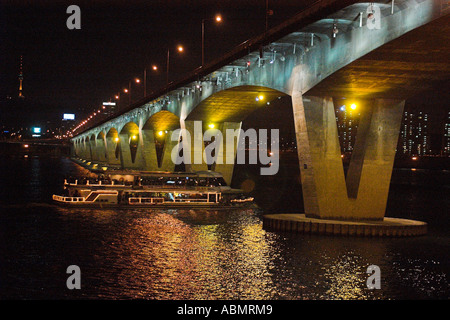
column 20, row 79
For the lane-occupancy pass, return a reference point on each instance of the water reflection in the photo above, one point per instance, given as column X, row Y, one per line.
column 198, row 254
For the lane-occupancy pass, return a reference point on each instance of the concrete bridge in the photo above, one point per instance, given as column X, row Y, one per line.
column 377, row 54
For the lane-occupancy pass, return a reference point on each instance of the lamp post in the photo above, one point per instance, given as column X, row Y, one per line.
column 128, row 91
column 217, row 18
column 154, row 68
column 179, row 49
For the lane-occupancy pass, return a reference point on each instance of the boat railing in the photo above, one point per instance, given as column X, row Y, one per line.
column 146, row 200
column 96, row 183
column 68, row 199
column 191, row 200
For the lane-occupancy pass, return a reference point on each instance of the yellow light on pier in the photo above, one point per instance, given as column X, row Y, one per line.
column 353, row 106
column 160, row 133
column 116, row 139
column 211, row 125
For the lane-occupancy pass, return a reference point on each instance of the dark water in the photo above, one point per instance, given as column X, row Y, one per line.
column 185, row 254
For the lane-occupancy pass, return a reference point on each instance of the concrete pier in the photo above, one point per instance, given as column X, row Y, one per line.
column 388, row 227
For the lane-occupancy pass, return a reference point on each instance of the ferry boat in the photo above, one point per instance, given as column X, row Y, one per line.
column 152, row 189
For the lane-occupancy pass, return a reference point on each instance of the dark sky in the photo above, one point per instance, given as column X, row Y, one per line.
column 75, row 70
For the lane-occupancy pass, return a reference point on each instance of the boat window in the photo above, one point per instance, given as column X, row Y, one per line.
column 212, row 197
column 221, row 182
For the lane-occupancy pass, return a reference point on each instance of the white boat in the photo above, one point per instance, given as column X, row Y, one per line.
column 147, row 189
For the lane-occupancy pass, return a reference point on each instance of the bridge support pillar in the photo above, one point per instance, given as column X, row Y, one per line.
column 111, row 146
column 150, row 151
column 129, row 159
column 166, row 161
column 194, row 149
column 327, row 193
column 222, row 164
column 101, row 150
column 93, row 147
column 87, row 154
column 226, row 166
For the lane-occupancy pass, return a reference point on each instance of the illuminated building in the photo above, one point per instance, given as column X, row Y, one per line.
column 347, row 119
column 414, row 138
column 446, row 140
column 20, row 79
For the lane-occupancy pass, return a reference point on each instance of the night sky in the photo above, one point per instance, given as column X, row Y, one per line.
column 73, row 71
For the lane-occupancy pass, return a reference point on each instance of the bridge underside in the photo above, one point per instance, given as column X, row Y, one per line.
column 414, row 62
column 233, row 105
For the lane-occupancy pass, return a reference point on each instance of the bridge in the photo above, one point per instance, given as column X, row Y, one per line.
column 378, row 54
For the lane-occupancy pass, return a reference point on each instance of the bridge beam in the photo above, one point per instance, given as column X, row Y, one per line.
column 327, row 193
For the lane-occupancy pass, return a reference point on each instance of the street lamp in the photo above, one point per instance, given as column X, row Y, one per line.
column 136, row 80
column 179, row 49
column 154, row 68
column 218, row 19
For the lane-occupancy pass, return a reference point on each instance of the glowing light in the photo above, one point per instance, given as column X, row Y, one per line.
column 154, row 67
column 125, row 90
column 261, row 97
column 160, row 133
column 117, row 97
column 137, row 80
column 353, row 106
column 180, row 48
column 25, row 145
column 134, row 137
column 343, row 108
column 414, row 158
column 218, row 18
column 116, row 139
column 211, row 126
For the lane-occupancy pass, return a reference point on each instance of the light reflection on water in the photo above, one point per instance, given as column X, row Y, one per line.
column 188, row 254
